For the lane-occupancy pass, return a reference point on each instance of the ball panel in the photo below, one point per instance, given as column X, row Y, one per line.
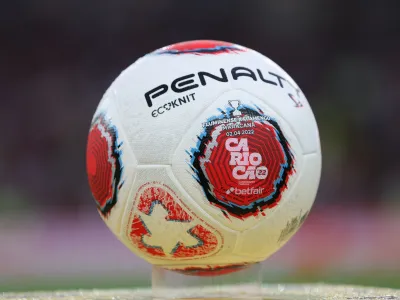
column 226, row 155
column 288, row 218
column 164, row 228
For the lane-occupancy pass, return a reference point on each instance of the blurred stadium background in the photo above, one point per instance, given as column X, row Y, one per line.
column 58, row 57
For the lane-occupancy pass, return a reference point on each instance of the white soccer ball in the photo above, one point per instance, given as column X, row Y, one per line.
column 204, row 157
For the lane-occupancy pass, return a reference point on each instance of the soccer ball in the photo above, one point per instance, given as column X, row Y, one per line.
column 204, row 157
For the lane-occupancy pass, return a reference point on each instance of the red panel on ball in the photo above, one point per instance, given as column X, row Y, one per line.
column 200, row 47
column 103, row 164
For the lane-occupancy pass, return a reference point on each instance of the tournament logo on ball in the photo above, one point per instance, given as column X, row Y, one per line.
column 162, row 226
column 103, row 163
column 242, row 160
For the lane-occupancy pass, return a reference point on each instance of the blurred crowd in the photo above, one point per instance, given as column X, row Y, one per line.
column 58, row 57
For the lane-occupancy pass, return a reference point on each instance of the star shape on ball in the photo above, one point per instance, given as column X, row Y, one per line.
column 167, row 234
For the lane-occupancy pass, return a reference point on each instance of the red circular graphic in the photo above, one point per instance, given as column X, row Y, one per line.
column 236, row 174
column 243, row 161
column 103, row 164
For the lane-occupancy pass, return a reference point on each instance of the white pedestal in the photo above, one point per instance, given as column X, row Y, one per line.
column 171, row 285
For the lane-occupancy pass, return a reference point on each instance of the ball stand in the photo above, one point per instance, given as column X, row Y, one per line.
column 172, row 285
